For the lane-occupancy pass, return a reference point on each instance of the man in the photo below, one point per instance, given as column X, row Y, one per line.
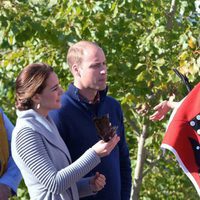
column 11, row 178
column 84, row 100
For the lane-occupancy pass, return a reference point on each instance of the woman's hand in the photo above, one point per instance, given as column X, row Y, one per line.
column 97, row 182
column 104, row 148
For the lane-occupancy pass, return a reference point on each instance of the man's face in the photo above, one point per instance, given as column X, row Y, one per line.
column 93, row 69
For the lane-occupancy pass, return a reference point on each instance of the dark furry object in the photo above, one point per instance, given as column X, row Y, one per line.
column 104, row 128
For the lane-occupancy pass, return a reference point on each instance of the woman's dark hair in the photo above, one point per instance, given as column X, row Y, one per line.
column 31, row 80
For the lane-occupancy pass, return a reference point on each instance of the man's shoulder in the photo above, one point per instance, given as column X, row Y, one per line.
column 66, row 103
column 66, row 107
column 67, row 96
column 110, row 99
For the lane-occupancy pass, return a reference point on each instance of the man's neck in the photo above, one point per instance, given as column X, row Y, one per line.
column 87, row 93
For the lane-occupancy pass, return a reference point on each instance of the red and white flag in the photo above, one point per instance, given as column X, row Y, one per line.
column 183, row 136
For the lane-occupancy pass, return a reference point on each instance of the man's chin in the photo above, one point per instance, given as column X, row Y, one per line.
column 102, row 87
column 98, row 87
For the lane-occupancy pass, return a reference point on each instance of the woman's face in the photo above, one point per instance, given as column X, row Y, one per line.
column 49, row 99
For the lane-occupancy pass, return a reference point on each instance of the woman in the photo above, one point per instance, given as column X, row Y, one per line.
column 37, row 147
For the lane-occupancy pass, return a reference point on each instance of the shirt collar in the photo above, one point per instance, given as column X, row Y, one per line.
column 95, row 100
column 73, row 91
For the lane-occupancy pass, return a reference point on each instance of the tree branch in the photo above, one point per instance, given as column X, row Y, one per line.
column 138, row 175
column 170, row 15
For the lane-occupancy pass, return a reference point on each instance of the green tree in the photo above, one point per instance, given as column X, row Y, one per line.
column 143, row 41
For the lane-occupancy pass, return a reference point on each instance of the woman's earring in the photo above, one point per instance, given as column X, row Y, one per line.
column 38, row 106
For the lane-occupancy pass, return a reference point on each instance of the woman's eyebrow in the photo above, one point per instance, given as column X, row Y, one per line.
column 55, row 86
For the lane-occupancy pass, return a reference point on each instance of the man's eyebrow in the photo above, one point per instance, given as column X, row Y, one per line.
column 97, row 63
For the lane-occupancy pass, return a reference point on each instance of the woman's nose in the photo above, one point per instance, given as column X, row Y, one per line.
column 61, row 91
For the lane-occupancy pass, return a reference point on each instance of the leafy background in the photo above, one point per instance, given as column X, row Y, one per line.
column 143, row 41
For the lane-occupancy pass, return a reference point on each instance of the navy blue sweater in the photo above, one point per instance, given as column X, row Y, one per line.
column 75, row 124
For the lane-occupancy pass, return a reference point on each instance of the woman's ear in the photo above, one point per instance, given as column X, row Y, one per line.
column 36, row 98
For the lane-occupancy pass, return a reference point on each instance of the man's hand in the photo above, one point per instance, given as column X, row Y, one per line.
column 97, row 182
column 5, row 192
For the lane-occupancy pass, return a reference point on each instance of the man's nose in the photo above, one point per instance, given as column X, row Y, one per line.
column 103, row 69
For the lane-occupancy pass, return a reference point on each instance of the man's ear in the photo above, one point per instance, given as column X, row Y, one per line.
column 75, row 70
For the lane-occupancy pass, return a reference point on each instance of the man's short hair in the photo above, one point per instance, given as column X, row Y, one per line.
column 76, row 51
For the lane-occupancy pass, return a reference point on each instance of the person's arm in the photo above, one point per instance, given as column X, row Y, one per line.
column 12, row 177
column 125, row 164
column 5, row 192
column 30, row 148
column 163, row 108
